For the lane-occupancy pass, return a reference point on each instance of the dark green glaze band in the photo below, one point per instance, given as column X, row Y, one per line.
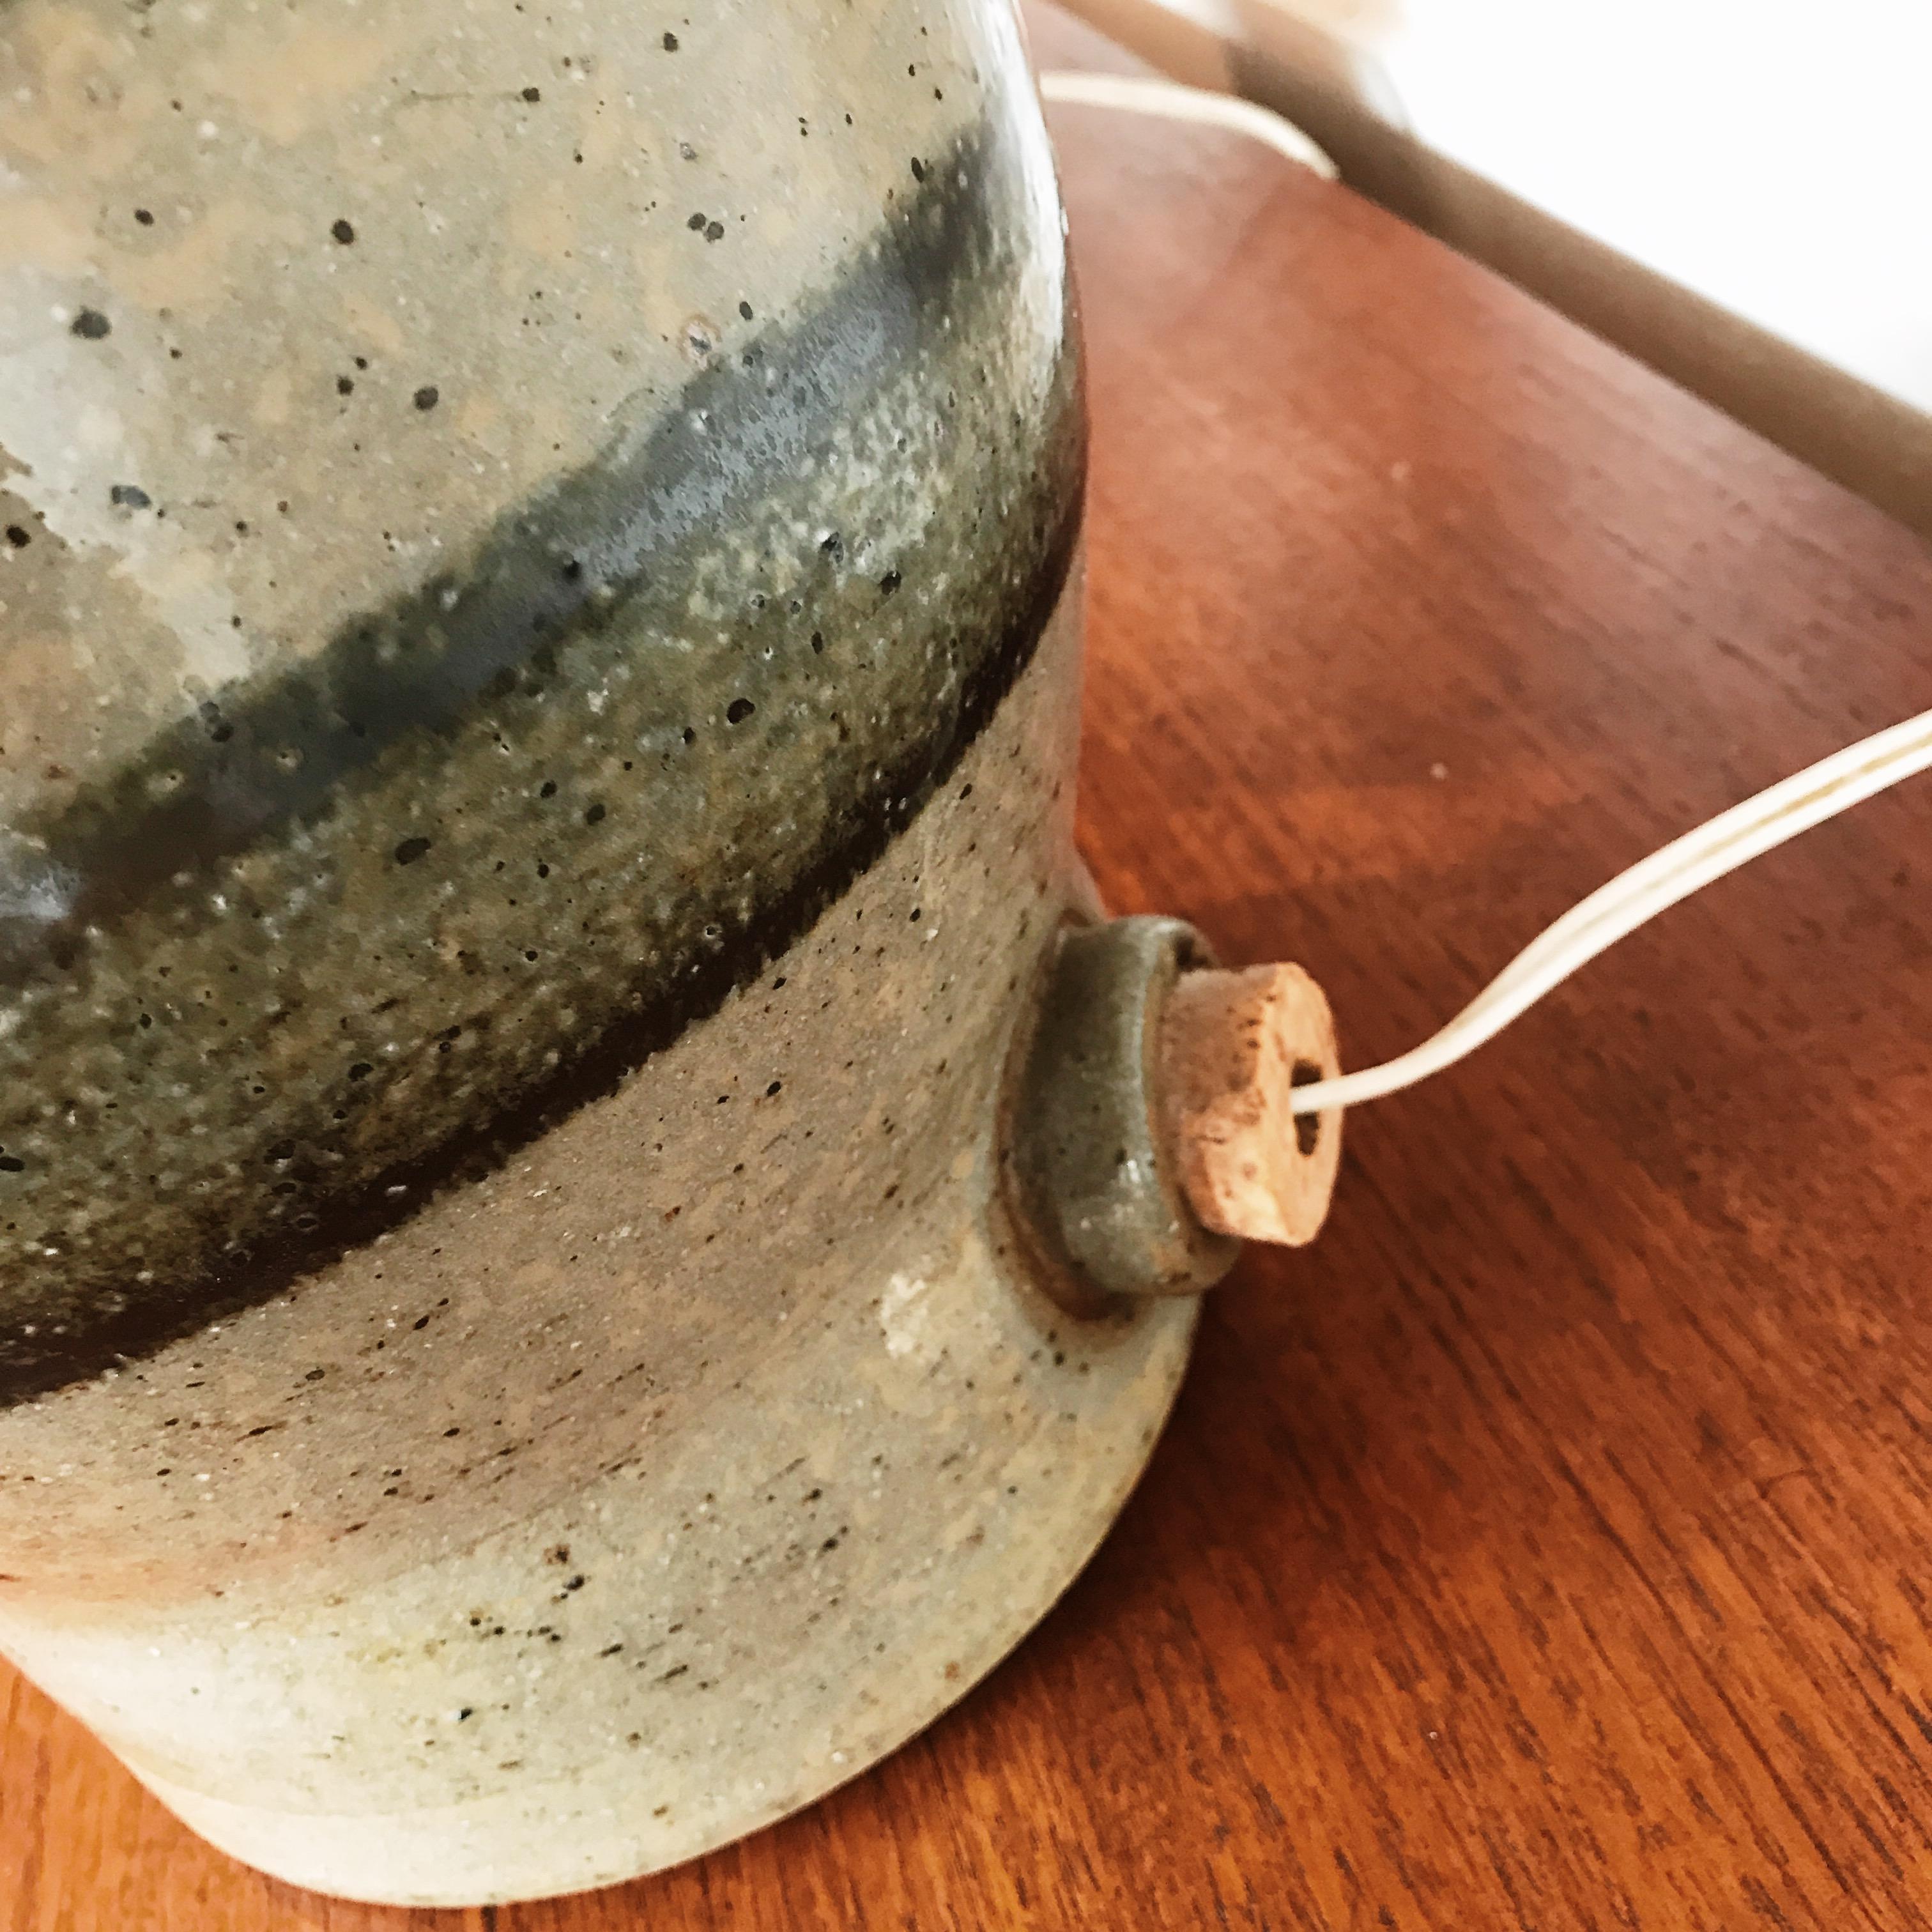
column 364, row 927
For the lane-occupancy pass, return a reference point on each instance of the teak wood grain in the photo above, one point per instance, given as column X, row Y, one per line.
column 1548, row 1546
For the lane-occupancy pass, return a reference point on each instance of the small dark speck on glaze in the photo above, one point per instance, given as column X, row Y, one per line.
column 345, row 385
column 361, row 1070
column 90, row 325
column 774, row 1090
column 532, row 94
column 696, row 223
column 714, row 231
column 738, row 710
column 315, row 1375
column 670, row 44
column 343, row 231
column 593, row 815
column 745, row 310
column 548, row 789
column 12, row 1163
column 890, row 583
column 918, row 169
column 129, row 496
column 17, row 537
column 425, row 398
column 410, row 851
column 144, row 217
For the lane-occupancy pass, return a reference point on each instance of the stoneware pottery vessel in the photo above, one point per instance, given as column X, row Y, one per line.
column 539, row 563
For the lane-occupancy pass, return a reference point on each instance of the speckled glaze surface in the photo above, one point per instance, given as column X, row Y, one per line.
column 538, row 607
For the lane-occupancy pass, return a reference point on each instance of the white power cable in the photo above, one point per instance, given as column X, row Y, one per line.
column 1686, row 865
column 1171, row 101
column 1792, row 805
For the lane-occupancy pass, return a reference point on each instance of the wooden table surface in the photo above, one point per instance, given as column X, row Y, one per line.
column 1550, row 1546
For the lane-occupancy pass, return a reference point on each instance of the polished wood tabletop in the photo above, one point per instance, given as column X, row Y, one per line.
column 1550, row 1546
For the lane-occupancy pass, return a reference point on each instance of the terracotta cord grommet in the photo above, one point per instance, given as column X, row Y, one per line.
column 1233, row 1047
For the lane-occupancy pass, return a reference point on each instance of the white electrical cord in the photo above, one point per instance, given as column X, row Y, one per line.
column 1686, row 865
column 1171, row 101
column 1795, row 805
